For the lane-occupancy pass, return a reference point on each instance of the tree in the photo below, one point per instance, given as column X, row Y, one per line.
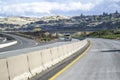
column 37, row 28
column 116, row 12
column 110, row 16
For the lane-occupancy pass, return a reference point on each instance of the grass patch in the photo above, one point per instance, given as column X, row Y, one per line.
column 107, row 34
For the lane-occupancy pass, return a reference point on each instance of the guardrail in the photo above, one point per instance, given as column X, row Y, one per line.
column 24, row 66
column 8, row 44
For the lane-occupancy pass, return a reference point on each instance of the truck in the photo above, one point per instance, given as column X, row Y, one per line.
column 67, row 37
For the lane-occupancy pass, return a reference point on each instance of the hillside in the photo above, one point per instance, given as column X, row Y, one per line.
column 17, row 20
column 96, row 22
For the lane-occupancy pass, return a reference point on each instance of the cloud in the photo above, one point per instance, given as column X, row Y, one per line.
column 44, row 7
column 0, row 1
column 114, row 4
column 116, row 0
column 59, row 7
column 73, row 6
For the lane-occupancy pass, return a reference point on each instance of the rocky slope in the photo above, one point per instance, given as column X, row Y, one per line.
column 18, row 20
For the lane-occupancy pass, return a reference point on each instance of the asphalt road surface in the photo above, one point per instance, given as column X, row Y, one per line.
column 25, row 46
column 102, row 62
column 22, row 43
column 29, row 43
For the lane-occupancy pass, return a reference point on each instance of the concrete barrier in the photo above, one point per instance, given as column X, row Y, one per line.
column 70, row 49
column 74, row 46
column 35, row 62
column 82, row 44
column 18, row 67
column 55, row 55
column 24, row 66
column 3, row 70
column 60, row 51
column 47, row 58
column 63, row 52
column 8, row 44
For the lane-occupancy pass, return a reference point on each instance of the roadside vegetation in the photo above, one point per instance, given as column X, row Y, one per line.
column 40, row 37
column 23, row 35
column 107, row 34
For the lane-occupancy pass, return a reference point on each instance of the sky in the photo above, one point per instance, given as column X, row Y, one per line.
column 39, row 8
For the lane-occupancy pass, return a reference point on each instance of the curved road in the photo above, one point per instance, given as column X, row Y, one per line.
column 29, row 43
column 102, row 62
column 22, row 43
column 25, row 46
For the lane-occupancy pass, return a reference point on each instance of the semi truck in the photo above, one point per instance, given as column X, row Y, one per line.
column 67, row 37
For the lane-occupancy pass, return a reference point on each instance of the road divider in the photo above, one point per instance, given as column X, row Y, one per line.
column 46, row 58
column 4, row 73
column 8, row 44
column 55, row 55
column 24, row 66
column 35, row 62
column 18, row 67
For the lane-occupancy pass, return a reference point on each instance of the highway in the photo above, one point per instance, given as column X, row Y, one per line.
column 25, row 46
column 101, row 62
column 22, row 43
column 29, row 43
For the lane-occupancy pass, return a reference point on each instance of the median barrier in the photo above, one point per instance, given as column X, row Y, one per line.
column 46, row 58
column 24, row 66
column 8, row 44
column 3, row 70
column 75, row 47
column 67, row 50
column 55, row 55
column 64, row 51
column 71, row 49
column 82, row 44
column 35, row 62
column 18, row 67
column 78, row 46
column 60, row 51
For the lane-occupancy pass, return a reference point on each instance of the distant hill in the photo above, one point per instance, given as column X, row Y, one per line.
column 97, row 22
column 56, row 17
column 17, row 20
